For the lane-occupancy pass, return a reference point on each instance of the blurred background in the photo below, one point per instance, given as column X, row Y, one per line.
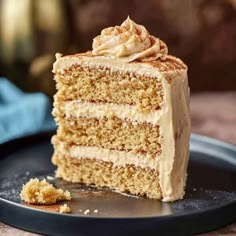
column 201, row 32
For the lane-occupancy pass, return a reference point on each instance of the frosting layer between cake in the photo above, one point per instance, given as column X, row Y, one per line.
column 118, row 158
column 73, row 109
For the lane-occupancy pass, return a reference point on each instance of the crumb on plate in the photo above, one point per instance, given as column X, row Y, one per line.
column 42, row 192
column 64, row 209
column 50, row 177
column 86, row 212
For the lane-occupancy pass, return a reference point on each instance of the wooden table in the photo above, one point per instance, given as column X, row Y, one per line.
column 213, row 115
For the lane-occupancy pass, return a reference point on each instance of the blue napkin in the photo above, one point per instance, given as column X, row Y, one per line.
column 22, row 113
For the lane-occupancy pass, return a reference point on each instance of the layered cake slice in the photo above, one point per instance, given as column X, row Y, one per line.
column 122, row 111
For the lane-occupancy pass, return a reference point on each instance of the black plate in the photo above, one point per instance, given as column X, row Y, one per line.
column 210, row 200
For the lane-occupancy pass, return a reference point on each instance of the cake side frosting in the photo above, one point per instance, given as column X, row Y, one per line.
column 175, row 128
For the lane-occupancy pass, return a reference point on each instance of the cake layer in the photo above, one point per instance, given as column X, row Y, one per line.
column 104, row 85
column 118, row 158
column 135, row 180
column 111, row 133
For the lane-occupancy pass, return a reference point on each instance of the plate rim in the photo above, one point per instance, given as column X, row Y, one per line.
column 201, row 139
column 208, row 209
column 162, row 223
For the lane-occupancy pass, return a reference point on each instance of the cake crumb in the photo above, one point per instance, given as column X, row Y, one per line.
column 64, row 209
column 50, row 178
column 95, row 211
column 86, row 212
column 42, row 192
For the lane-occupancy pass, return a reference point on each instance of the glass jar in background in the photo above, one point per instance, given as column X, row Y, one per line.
column 31, row 32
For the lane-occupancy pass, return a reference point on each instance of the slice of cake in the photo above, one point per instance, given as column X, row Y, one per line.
column 122, row 111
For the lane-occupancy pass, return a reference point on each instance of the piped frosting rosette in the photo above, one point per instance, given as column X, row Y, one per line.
column 129, row 42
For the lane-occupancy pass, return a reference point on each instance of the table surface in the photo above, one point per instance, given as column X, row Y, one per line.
column 213, row 114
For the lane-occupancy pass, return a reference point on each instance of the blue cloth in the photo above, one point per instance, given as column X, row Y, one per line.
column 22, row 113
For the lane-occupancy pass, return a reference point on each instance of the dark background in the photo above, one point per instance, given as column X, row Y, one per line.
column 201, row 32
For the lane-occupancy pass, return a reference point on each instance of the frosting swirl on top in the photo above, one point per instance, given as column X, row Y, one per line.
column 129, row 42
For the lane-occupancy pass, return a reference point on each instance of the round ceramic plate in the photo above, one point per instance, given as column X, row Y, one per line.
column 209, row 203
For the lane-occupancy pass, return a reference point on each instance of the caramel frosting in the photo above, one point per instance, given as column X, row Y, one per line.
column 129, row 42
